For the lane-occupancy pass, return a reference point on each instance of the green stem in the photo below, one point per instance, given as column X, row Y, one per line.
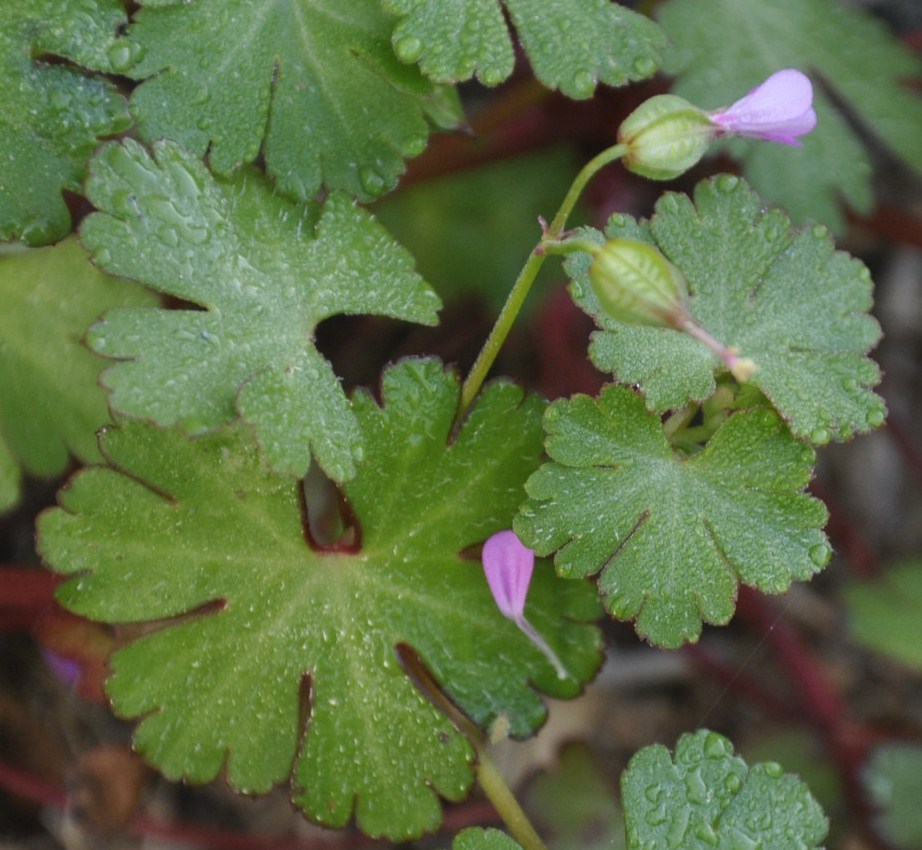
column 490, row 779
column 503, row 800
column 526, row 278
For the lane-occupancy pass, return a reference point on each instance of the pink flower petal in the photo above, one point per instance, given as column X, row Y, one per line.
column 508, row 566
column 779, row 110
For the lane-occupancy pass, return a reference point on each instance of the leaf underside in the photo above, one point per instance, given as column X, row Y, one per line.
column 572, row 45
column 312, row 84
column 265, row 272
column 671, row 537
column 784, row 297
column 847, row 51
column 196, row 533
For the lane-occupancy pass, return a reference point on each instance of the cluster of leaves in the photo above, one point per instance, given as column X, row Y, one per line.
column 195, row 516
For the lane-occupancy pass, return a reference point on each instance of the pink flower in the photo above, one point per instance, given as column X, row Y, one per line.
column 508, row 566
column 779, row 110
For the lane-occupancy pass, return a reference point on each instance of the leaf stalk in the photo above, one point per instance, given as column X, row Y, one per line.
column 526, row 278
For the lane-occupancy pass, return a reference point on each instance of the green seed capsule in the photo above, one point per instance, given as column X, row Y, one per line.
column 666, row 136
column 637, row 285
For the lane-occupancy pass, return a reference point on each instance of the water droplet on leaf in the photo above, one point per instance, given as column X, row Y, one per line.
column 644, row 67
column 727, row 183
column 408, row 49
column 583, row 84
column 820, row 436
column 372, row 182
column 820, row 554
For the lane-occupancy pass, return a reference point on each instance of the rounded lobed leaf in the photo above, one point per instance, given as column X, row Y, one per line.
column 671, row 537
column 265, row 272
column 312, row 85
column 197, row 534
column 783, row 297
column 572, row 45
column 53, row 116
column 848, row 49
column 51, row 401
column 704, row 797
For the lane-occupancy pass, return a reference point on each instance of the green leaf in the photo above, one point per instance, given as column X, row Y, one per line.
column 265, row 271
column 312, row 84
column 198, row 531
column 573, row 806
column 50, row 401
column 892, row 779
column 705, row 798
column 572, row 44
column 672, row 536
column 722, row 48
column 784, row 297
column 884, row 615
column 52, row 116
column 475, row 838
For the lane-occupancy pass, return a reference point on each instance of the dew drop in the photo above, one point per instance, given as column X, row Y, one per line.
column 876, row 418
column 372, row 182
column 576, row 290
column 820, row 436
column 102, row 257
column 552, row 414
column 715, row 746
column 820, row 231
column 733, row 783
column 668, row 204
column 773, row 769
column 358, row 453
column 820, row 554
column 492, row 76
column 656, row 816
column 678, row 829
column 123, row 53
column 617, row 220
column 696, row 787
column 583, row 84
column 727, row 183
column 644, row 67
column 708, row 834
column 413, row 145
column 408, row 49
column 653, row 793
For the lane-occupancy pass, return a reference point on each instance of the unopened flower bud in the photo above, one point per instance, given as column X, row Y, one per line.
column 666, row 136
column 637, row 285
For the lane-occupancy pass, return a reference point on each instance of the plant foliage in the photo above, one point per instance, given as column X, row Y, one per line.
column 704, row 797
column 672, row 536
column 215, row 545
column 848, row 50
column 572, row 44
column 50, row 401
column 261, row 272
column 53, row 115
column 312, row 84
column 784, row 297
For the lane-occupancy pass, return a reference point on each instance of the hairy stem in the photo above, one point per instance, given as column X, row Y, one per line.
column 526, row 278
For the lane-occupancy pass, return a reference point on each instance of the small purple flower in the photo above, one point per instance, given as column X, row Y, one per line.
column 508, row 565
column 779, row 110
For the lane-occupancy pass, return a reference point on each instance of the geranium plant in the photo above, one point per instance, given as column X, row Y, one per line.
column 338, row 585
